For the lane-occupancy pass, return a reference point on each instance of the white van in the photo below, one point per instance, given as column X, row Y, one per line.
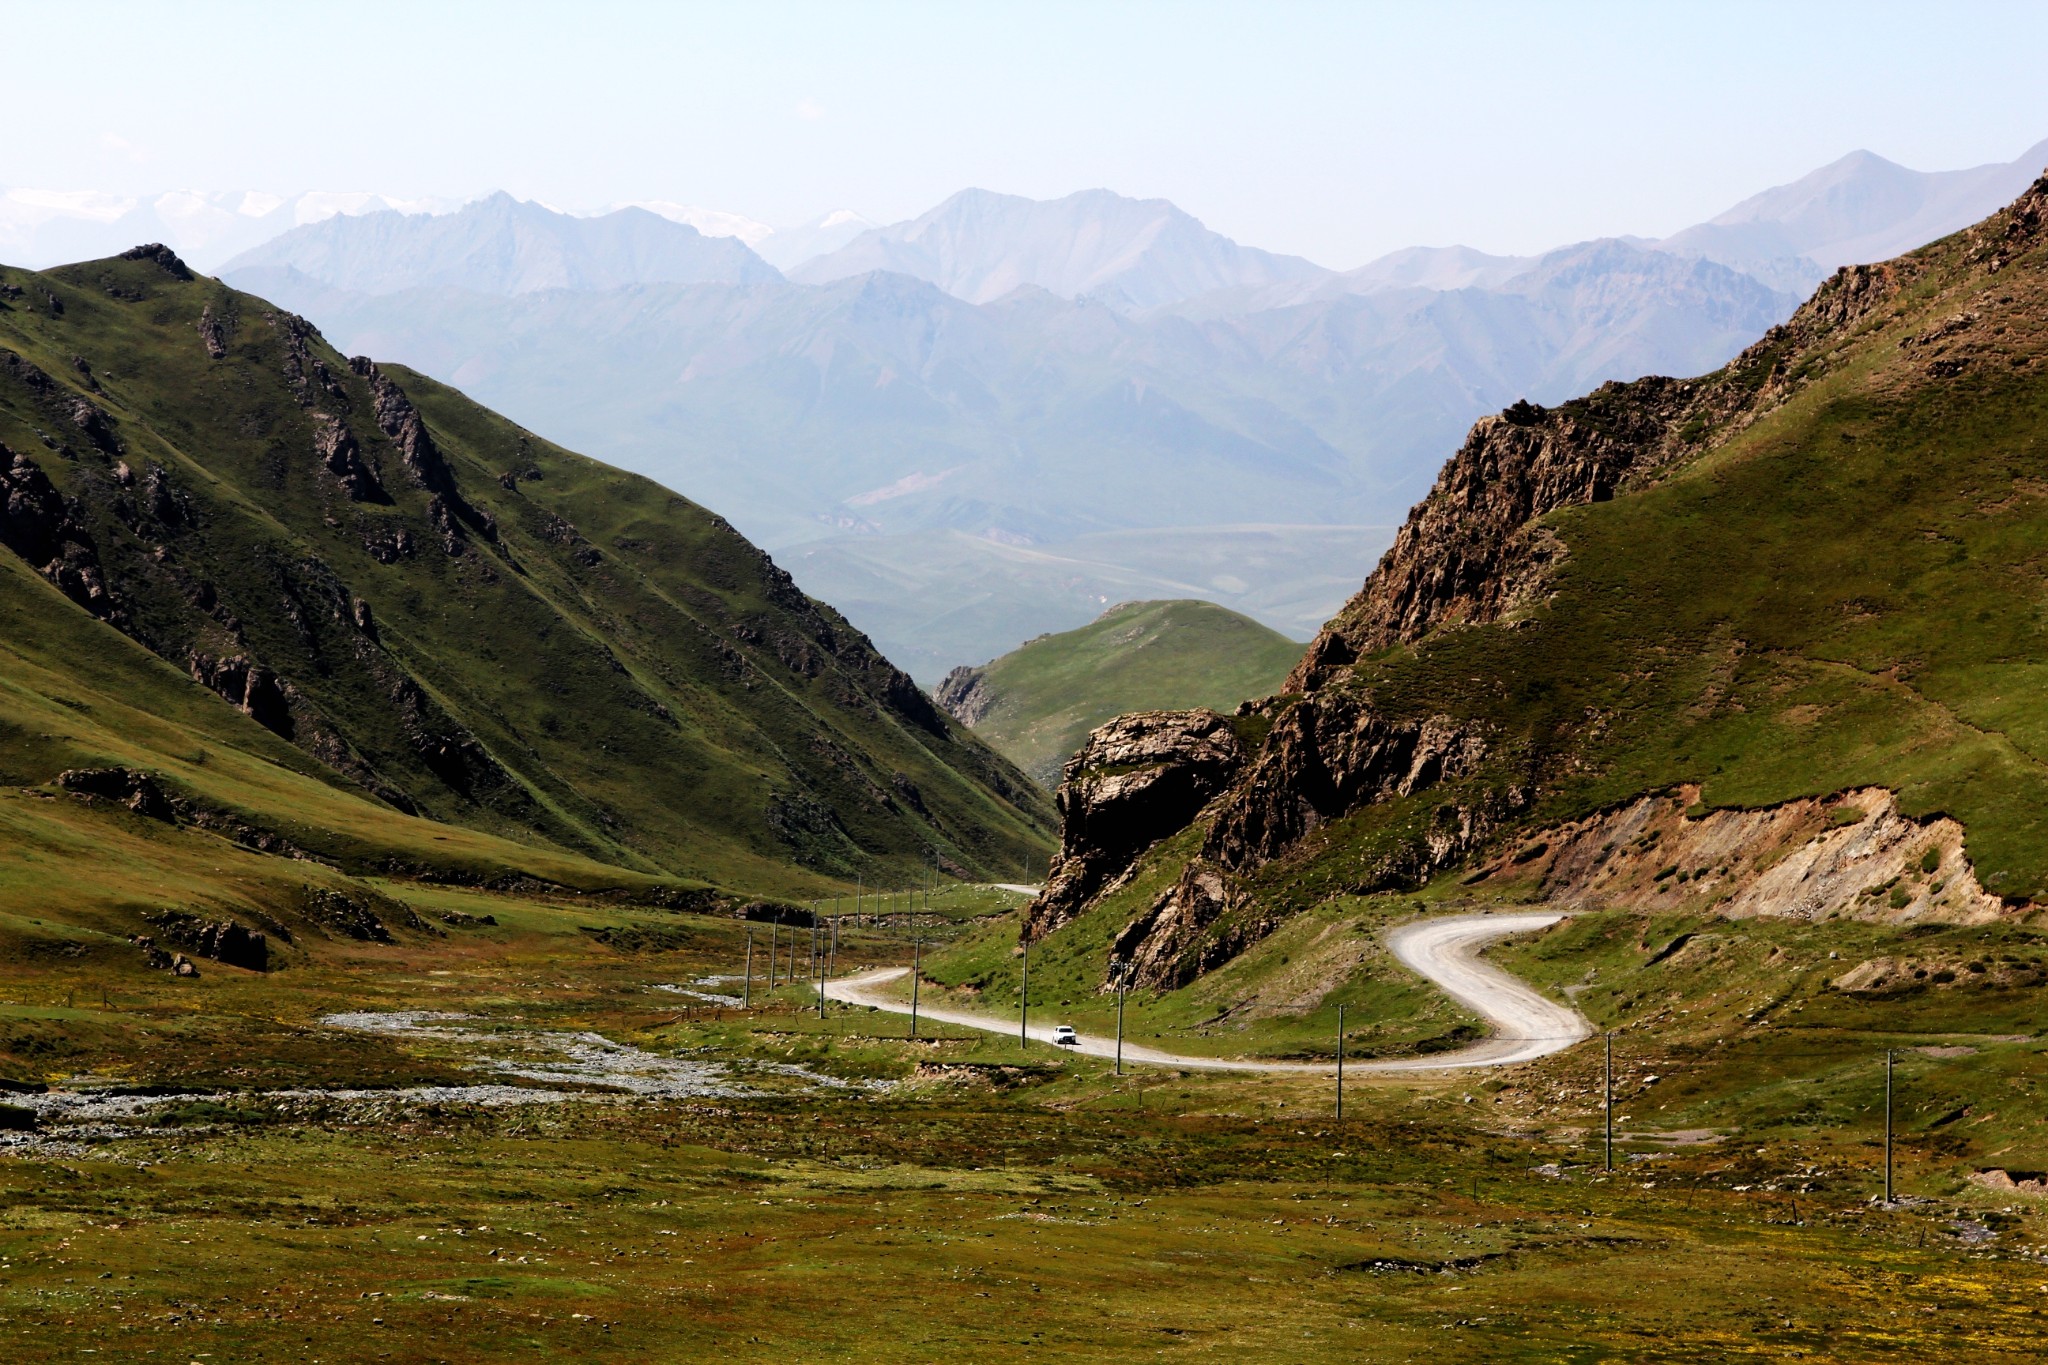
column 1064, row 1036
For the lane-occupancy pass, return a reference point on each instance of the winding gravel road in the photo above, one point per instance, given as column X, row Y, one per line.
column 1446, row 951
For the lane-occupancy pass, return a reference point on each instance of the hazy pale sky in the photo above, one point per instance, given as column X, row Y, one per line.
column 1336, row 131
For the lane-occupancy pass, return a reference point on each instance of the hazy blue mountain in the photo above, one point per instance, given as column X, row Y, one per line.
column 1010, row 428
column 41, row 228
column 502, row 245
column 1132, row 254
column 1860, row 208
column 966, row 452
column 787, row 248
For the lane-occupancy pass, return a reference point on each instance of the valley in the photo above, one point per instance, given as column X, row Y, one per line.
column 585, row 776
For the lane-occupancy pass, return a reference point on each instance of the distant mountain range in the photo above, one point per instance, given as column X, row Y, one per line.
column 954, row 427
column 1130, row 254
column 500, row 245
column 50, row 227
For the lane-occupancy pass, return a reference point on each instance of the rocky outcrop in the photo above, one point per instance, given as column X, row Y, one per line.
column 162, row 257
column 253, row 689
column 139, row 792
column 304, row 370
column 343, row 458
column 37, row 524
column 220, row 940
column 1853, row 854
column 1473, row 550
column 964, row 694
column 214, row 332
column 1323, row 757
column 1139, row 779
column 399, row 420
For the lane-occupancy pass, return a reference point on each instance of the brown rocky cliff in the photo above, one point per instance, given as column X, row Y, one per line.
column 1473, row 549
column 1325, row 756
column 1139, row 779
column 964, row 695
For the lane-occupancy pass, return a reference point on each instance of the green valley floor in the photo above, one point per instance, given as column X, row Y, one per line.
column 558, row 1137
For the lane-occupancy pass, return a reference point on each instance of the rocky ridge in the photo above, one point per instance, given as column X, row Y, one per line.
column 964, row 695
column 1477, row 551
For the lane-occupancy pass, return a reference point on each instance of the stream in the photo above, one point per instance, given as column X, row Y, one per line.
column 561, row 1066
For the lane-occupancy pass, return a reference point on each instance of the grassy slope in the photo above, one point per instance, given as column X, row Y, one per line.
column 1846, row 592
column 649, row 683
column 1137, row 656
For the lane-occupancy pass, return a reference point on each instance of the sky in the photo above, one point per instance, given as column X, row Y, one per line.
column 1337, row 131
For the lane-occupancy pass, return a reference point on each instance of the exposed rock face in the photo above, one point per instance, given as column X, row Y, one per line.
column 343, row 458
column 1137, row 780
column 965, row 696
column 401, row 421
column 254, row 689
column 1849, row 855
column 1325, row 756
column 213, row 333
column 36, row 524
column 221, row 940
column 162, row 256
column 1471, row 550
column 139, row 792
column 398, row 419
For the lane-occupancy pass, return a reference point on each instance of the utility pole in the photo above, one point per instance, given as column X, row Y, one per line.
column 747, row 1000
column 1610, row 1101
column 916, row 969
column 771, row 954
column 1340, row 1062
column 1122, row 981
column 1887, row 1128
column 832, row 965
column 1024, row 1001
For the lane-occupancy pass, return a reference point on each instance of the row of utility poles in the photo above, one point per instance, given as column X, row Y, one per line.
column 825, row 958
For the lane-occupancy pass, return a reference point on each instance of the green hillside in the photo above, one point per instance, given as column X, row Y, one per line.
column 1815, row 571
column 342, row 613
column 1038, row 702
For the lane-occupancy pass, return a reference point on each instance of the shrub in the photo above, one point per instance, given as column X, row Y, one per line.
column 1930, row 860
column 1901, row 898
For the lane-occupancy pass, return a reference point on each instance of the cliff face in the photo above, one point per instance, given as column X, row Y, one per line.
column 1137, row 780
column 964, row 695
column 1473, row 550
column 1361, row 726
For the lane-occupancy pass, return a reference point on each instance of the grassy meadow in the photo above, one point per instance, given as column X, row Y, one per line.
column 851, row 1194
